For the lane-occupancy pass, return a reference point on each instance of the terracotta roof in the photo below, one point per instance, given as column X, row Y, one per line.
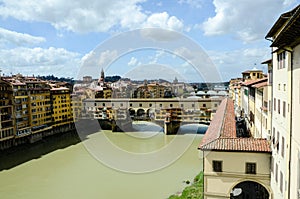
column 259, row 85
column 255, row 81
column 221, row 133
column 239, row 144
column 214, row 130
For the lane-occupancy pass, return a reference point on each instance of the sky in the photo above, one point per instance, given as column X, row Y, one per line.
column 193, row 40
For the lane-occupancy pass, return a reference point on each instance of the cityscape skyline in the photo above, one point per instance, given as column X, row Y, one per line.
column 46, row 41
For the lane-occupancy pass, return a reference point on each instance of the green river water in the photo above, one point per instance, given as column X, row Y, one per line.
column 64, row 167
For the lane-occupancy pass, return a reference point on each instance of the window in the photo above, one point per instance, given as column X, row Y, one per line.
column 283, row 108
column 171, row 105
column 204, row 105
column 103, row 104
column 217, row 166
column 250, row 168
column 281, row 60
column 276, row 172
column 140, row 105
column 279, row 87
column 278, row 106
column 246, row 92
column 160, row 105
column 121, row 104
column 181, row 105
column 277, row 142
column 282, row 147
column 281, row 182
column 274, row 104
column 130, row 104
column 284, row 87
column 150, row 105
column 193, row 105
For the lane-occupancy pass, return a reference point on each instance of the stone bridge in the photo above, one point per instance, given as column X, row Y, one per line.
column 170, row 113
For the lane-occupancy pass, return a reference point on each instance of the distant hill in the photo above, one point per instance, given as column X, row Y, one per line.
column 59, row 79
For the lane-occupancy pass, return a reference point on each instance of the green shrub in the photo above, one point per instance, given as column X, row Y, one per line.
column 194, row 191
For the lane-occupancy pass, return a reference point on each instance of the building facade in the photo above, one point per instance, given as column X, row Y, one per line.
column 6, row 115
column 27, row 111
column 234, row 166
column 285, row 34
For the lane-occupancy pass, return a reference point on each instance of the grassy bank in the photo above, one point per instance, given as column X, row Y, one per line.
column 194, row 191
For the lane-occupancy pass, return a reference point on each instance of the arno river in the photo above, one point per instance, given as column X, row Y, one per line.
column 64, row 167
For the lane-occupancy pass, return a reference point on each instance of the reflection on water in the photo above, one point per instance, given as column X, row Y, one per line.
column 61, row 167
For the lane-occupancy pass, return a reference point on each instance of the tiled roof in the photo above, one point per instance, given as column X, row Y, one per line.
column 221, row 133
column 214, row 129
column 239, row 144
column 255, row 81
column 259, row 85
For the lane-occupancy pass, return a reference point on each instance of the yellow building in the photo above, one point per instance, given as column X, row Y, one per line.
column 76, row 105
column 234, row 167
column 235, row 93
column 150, row 91
column 21, row 110
column 61, row 106
column 252, row 74
column 249, row 103
column 261, row 120
column 6, row 115
column 39, row 107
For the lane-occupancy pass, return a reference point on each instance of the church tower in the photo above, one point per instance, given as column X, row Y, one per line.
column 101, row 79
column 102, row 74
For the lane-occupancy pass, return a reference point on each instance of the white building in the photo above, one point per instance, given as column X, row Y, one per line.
column 285, row 37
column 234, row 167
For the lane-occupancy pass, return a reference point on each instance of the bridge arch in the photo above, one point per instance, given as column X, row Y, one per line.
column 249, row 189
column 140, row 112
column 131, row 112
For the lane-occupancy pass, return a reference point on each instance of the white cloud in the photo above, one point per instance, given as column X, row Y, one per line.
column 158, row 54
column 57, row 61
column 200, row 62
column 163, row 20
column 107, row 57
column 153, row 71
column 247, row 20
column 88, row 15
column 133, row 61
column 8, row 37
column 230, row 64
column 192, row 3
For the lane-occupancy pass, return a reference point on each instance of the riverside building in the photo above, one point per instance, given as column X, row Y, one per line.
column 27, row 112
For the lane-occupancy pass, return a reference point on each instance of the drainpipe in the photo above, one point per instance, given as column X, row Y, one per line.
column 291, row 114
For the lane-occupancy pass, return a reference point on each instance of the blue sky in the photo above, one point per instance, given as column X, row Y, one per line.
column 58, row 37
